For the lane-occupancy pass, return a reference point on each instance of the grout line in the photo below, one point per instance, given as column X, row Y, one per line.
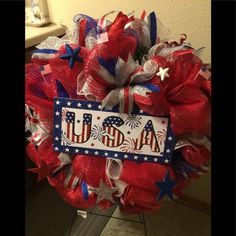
column 107, row 220
column 72, row 223
column 145, row 228
column 193, row 207
column 117, row 218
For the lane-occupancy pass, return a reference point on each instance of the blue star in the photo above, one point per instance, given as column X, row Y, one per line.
column 72, row 55
column 166, row 187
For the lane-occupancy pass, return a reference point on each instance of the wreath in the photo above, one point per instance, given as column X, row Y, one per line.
column 130, row 64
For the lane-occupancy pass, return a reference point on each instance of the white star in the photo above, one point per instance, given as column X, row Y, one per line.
column 125, row 156
column 76, row 150
column 57, row 113
column 163, row 73
column 56, row 126
column 106, row 154
column 56, row 148
column 155, row 159
column 99, row 106
column 96, row 153
column 145, row 158
column 56, row 138
column 89, row 105
column 141, row 111
column 170, row 138
column 57, row 102
column 86, row 151
column 79, row 104
column 67, row 149
column 166, row 160
column 115, row 155
column 135, row 157
column 168, row 150
column 69, row 103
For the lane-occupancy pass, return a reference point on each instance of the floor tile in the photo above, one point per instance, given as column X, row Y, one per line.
column 134, row 217
column 47, row 213
column 116, row 227
column 91, row 226
column 178, row 220
column 108, row 212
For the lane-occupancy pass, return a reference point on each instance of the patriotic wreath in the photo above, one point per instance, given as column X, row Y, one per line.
column 129, row 63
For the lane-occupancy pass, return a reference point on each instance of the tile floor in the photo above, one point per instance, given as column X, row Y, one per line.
column 48, row 215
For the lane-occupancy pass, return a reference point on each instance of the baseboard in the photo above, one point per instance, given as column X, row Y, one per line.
column 195, row 203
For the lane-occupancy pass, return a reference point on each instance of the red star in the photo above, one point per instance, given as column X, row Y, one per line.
column 43, row 170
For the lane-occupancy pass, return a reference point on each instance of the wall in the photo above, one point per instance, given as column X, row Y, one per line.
column 192, row 17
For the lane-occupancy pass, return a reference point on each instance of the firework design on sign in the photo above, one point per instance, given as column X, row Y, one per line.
column 97, row 132
column 63, row 116
column 161, row 136
column 129, row 146
column 133, row 121
column 64, row 140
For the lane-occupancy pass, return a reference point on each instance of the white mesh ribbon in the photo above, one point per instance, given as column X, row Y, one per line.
column 113, row 171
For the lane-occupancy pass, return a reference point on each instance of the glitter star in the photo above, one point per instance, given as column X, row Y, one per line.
column 163, row 73
column 72, row 55
column 104, row 192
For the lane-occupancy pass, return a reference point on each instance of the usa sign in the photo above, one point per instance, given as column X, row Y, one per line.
column 81, row 127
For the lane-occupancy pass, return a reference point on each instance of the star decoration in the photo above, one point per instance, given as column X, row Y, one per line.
column 72, row 55
column 104, row 192
column 170, row 138
column 79, row 104
column 68, row 103
column 43, row 170
column 168, row 150
column 163, row 73
column 58, row 102
column 166, row 187
column 57, row 113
